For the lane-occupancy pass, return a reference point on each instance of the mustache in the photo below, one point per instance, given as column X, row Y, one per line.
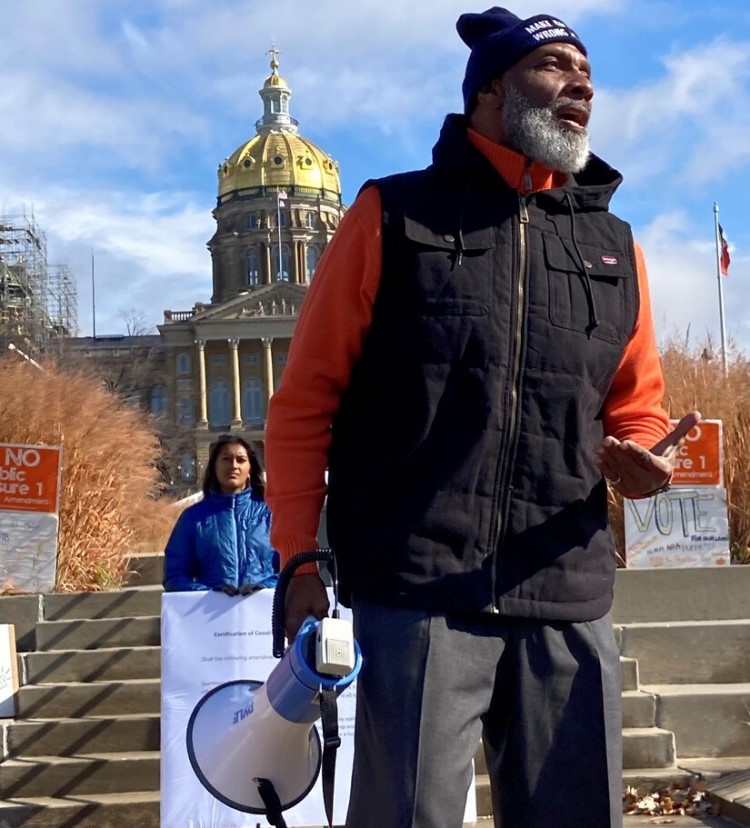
column 569, row 103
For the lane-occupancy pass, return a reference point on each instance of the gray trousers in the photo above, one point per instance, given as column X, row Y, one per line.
column 544, row 697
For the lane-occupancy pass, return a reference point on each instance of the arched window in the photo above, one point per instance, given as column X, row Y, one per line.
column 282, row 218
column 187, row 467
column 312, row 262
column 251, row 221
column 252, row 401
column 252, row 266
column 183, row 363
column 159, row 400
column 219, row 415
column 283, row 275
column 311, row 220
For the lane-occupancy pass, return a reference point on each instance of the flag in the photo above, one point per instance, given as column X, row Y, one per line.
column 282, row 196
column 724, row 253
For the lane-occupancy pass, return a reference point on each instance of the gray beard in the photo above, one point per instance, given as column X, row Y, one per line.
column 536, row 132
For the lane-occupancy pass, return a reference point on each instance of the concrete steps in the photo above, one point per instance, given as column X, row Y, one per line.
column 689, row 632
column 79, row 775
column 69, row 700
column 83, row 735
column 85, row 748
column 53, row 666
column 120, row 810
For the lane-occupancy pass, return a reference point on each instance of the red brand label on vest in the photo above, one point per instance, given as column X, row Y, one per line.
column 607, row 259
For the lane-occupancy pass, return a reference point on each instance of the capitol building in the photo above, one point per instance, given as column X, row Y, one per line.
column 214, row 367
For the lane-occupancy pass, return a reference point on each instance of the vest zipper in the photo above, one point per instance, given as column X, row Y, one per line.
column 523, row 221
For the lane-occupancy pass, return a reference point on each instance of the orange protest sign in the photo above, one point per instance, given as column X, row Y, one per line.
column 29, row 478
column 700, row 459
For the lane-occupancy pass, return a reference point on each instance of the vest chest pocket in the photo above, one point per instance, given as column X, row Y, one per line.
column 443, row 278
column 574, row 299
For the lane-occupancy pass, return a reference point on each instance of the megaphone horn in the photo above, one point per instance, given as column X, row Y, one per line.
column 254, row 745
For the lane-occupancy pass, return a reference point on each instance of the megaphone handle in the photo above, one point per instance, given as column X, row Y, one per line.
column 271, row 800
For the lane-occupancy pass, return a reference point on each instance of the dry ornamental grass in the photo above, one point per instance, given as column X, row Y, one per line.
column 109, row 498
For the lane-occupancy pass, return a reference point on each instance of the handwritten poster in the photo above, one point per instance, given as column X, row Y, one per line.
column 682, row 527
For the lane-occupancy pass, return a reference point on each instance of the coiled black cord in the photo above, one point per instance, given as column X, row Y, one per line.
column 279, row 596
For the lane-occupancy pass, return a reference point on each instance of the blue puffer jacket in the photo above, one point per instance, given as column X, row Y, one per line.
column 222, row 539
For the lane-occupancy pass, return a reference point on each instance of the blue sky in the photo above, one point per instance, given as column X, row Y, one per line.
column 116, row 116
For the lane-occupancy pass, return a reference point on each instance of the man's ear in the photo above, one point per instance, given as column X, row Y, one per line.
column 492, row 94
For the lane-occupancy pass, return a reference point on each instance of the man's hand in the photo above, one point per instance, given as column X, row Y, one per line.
column 635, row 471
column 305, row 595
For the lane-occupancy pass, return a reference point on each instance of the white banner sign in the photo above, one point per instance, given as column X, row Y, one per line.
column 209, row 639
column 8, row 671
column 683, row 527
column 28, row 551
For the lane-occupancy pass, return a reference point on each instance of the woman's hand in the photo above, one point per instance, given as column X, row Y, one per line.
column 227, row 589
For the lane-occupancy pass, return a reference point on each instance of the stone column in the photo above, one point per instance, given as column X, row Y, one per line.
column 269, row 272
column 267, row 367
column 303, row 260
column 202, row 404
column 236, row 399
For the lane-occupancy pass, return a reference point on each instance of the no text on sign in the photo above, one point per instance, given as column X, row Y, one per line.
column 29, row 478
column 699, row 460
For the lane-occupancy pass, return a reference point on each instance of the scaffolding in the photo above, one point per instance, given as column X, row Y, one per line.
column 38, row 302
column 62, row 300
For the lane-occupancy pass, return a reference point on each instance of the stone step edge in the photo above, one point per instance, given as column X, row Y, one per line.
column 93, row 717
column 80, row 800
column 657, row 625
column 77, row 758
column 718, row 689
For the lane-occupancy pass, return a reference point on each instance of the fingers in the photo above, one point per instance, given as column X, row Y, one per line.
column 227, row 589
column 668, row 446
column 306, row 595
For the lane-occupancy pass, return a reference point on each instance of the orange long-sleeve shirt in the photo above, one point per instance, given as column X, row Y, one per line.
column 327, row 342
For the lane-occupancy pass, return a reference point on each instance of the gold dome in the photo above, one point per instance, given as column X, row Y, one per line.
column 277, row 157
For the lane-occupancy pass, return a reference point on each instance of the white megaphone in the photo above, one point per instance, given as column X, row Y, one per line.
column 248, row 740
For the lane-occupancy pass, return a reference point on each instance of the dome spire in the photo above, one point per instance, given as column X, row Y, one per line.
column 275, row 94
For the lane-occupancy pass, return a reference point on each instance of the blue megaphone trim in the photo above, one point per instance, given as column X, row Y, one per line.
column 293, row 686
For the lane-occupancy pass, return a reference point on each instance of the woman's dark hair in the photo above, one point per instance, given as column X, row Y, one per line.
column 211, row 482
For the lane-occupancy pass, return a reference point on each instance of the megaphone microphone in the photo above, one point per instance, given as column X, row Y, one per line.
column 253, row 745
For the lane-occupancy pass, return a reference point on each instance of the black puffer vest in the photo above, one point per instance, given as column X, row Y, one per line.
column 462, row 474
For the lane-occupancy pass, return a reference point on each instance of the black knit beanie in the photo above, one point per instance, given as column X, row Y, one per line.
column 498, row 39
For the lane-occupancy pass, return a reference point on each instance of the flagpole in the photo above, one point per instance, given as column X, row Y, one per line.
column 93, row 296
column 721, row 290
column 278, row 225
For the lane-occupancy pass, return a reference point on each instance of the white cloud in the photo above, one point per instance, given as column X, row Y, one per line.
column 692, row 121
column 150, row 252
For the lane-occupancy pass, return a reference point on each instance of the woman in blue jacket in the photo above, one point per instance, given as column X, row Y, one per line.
column 222, row 542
